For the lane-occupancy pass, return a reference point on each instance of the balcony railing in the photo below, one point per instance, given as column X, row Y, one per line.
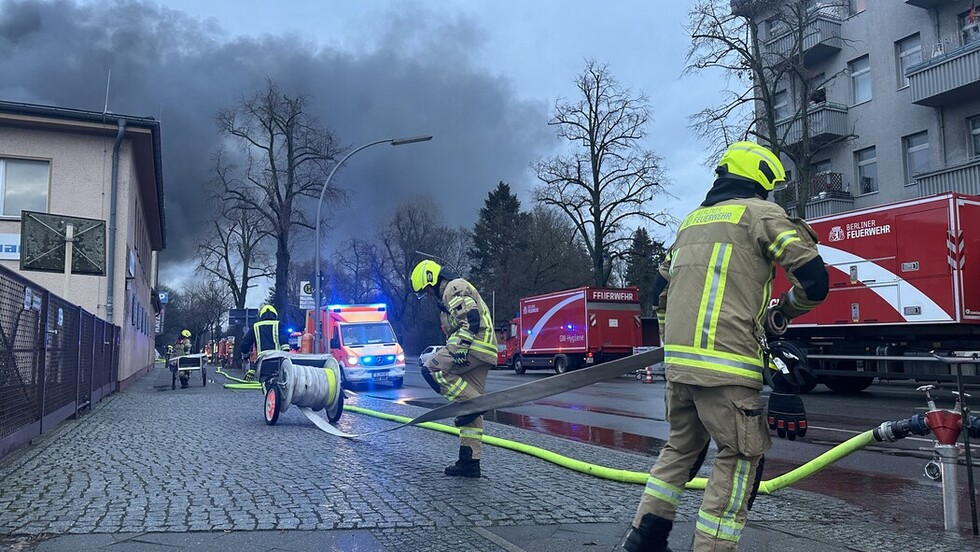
column 826, row 121
column 828, row 194
column 948, row 77
column 963, row 178
column 821, row 39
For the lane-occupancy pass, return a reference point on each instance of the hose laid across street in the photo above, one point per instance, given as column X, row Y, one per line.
column 640, row 478
column 625, row 476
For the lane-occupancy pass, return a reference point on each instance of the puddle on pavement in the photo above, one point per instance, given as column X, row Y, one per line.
column 609, row 438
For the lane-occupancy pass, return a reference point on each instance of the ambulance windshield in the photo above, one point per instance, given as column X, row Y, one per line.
column 366, row 333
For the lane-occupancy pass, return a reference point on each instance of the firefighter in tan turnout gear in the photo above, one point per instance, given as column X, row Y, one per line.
column 459, row 370
column 716, row 285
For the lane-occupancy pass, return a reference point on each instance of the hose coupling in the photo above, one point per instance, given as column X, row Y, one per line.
column 900, row 429
column 775, row 322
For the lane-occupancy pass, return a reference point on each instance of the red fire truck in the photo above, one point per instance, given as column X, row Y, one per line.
column 904, row 285
column 570, row 329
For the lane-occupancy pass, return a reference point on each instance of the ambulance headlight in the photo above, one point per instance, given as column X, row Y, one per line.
column 401, row 357
column 352, row 360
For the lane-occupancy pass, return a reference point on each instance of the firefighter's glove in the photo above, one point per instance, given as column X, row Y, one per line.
column 787, row 415
column 459, row 357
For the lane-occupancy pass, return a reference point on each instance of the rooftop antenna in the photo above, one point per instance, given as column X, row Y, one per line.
column 107, row 81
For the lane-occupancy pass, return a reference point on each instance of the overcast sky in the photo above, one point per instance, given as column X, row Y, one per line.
column 481, row 76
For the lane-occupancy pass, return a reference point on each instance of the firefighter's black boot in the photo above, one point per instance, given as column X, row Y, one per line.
column 651, row 536
column 466, row 466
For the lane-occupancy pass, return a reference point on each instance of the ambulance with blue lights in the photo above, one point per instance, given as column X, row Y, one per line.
column 363, row 342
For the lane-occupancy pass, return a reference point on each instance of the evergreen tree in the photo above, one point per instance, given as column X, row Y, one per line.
column 498, row 238
column 642, row 262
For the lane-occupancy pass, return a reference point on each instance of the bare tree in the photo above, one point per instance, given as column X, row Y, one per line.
column 774, row 94
column 198, row 308
column 608, row 179
column 231, row 250
column 353, row 270
column 415, row 226
column 552, row 257
column 288, row 156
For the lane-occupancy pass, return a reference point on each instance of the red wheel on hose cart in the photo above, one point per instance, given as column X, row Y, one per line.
column 273, row 405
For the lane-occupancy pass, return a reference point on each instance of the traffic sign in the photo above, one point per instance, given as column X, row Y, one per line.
column 306, row 295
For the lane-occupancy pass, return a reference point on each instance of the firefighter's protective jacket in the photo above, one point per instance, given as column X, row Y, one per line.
column 264, row 335
column 469, row 321
column 720, row 272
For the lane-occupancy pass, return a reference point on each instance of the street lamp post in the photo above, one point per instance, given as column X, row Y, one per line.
column 317, row 329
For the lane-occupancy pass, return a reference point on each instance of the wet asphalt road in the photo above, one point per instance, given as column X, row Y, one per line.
column 626, row 414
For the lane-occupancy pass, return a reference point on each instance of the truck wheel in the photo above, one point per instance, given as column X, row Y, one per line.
column 397, row 382
column 561, row 364
column 848, row 385
column 518, row 365
column 273, row 404
column 809, row 383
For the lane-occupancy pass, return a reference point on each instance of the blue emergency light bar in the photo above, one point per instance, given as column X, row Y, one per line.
column 339, row 308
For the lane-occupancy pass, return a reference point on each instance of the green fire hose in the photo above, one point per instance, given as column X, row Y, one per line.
column 625, row 476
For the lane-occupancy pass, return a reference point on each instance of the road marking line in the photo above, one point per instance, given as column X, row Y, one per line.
column 498, row 540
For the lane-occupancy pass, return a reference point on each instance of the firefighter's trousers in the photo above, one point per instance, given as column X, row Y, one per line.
column 734, row 417
column 458, row 384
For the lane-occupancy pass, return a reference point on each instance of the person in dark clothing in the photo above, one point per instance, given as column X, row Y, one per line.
column 265, row 335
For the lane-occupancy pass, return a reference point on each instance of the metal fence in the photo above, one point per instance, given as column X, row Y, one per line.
column 55, row 360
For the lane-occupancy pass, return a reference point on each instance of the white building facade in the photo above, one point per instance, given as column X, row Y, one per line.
column 98, row 166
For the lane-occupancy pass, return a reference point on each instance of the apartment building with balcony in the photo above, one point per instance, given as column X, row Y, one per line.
column 900, row 104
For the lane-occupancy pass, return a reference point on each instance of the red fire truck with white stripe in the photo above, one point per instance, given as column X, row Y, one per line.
column 904, row 285
column 573, row 328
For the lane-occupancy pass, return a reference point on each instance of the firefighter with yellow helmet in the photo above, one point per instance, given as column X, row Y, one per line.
column 459, row 370
column 716, row 286
column 183, row 344
column 264, row 335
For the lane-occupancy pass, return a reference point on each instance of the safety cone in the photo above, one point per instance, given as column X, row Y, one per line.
column 649, row 378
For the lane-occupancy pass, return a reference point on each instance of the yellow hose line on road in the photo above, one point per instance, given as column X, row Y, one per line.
column 857, row 442
column 624, row 476
column 640, row 478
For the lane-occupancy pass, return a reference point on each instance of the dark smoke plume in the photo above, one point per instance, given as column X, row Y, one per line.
column 418, row 79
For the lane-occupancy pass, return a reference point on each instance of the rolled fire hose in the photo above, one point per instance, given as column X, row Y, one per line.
column 310, row 387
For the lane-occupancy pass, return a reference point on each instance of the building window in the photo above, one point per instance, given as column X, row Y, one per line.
column 856, row 6
column 975, row 135
column 908, row 52
column 916, row 149
column 23, row 186
column 780, row 105
column 775, row 26
column 860, row 79
column 969, row 26
column 867, row 170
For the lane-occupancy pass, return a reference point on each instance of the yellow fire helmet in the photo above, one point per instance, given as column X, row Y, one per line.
column 425, row 274
column 753, row 162
column 268, row 308
column 186, row 333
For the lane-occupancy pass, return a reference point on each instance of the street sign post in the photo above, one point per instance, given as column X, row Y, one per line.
column 306, row 295
column 242, row 317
